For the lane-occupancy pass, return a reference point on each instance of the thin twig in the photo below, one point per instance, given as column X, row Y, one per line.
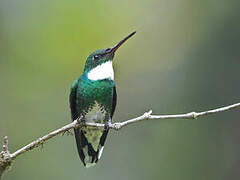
column 191, row 115
column 6, row 158
column 43, row 139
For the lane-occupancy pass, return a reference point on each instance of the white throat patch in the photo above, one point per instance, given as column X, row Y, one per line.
column 103, row 71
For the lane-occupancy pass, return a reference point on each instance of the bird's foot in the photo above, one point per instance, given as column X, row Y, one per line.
column 82, row 121
column 107, row 125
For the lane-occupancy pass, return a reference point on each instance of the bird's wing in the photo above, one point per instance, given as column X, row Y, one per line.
column 85, row 150
column 72, row 100
column 79, row 136
column 114, row 101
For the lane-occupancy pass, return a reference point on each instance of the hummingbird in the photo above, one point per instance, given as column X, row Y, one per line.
column 93, row 97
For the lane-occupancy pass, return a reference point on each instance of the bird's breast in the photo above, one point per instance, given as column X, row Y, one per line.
column 96, row 113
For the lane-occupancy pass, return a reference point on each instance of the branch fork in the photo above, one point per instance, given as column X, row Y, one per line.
column 5, row 156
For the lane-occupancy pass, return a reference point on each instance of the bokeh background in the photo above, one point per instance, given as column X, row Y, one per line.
column 185, row 57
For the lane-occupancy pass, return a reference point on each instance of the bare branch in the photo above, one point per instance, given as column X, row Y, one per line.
column 191, row 115
column 43, row 139
column 6, row 158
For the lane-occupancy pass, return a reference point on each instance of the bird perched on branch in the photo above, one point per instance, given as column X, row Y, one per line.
column 93, row 97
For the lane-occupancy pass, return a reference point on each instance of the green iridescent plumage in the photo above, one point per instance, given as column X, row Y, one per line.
column 89, row 92
column 93, row 97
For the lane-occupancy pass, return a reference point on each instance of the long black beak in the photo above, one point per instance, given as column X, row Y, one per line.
column 113, row 49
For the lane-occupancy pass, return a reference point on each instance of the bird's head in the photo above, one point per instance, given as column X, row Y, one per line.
column 101, row 60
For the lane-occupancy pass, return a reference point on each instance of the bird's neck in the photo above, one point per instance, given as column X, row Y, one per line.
column 102, row 71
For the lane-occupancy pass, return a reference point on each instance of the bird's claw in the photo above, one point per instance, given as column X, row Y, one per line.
column 82, row 121
column 106, row 126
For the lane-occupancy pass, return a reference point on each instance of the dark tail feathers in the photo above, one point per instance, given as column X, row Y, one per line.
column 87, row 154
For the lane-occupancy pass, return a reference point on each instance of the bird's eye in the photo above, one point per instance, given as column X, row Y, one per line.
column 96, row 57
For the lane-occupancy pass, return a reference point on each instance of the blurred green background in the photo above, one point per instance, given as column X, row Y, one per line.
column 185, row 57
